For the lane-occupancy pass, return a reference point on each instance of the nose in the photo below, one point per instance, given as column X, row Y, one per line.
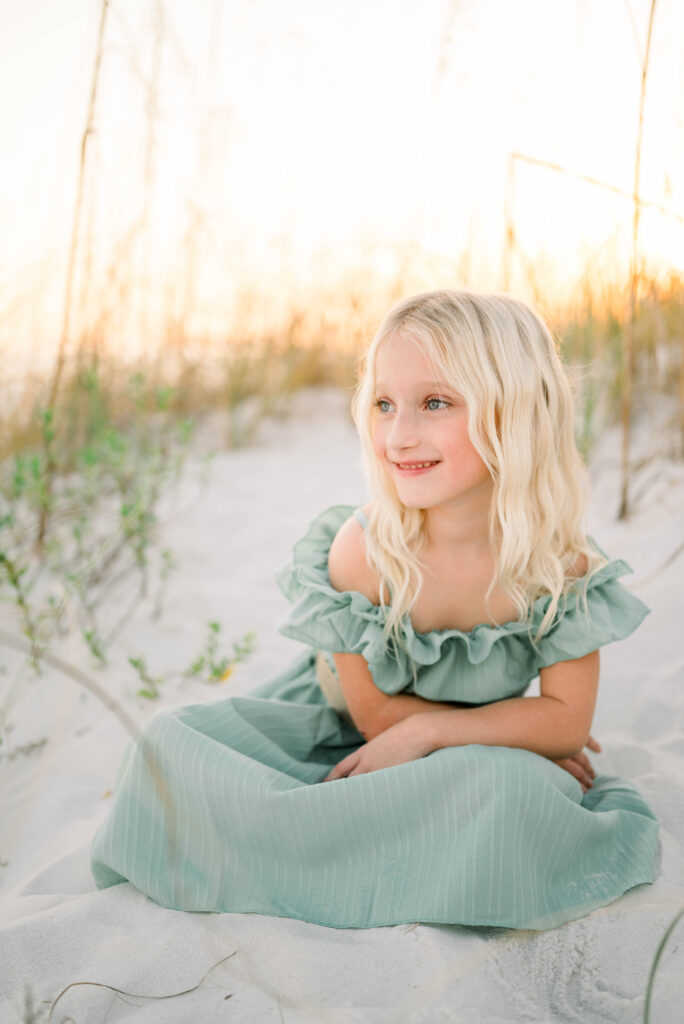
column 404, row 432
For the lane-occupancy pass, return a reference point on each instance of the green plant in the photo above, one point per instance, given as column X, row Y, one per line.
column 151, row 684
column 79, row 515
column 659, row 952
column 591, row 341
column 210, row 665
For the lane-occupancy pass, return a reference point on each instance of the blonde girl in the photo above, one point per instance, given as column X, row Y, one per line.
column 449, row 796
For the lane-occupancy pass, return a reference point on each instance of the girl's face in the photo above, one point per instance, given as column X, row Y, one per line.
column 419, row 427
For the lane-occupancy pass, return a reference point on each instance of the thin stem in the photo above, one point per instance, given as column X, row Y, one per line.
column 681, row 375
column 7, row 640
column 71, row 267
column 509, row 240
column 659, row 953
column 645, row 204
column 628, row 346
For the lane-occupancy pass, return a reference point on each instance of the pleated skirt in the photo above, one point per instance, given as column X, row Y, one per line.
column 220, row 807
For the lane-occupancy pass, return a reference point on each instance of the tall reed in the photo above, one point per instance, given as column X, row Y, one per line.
column 634, row 276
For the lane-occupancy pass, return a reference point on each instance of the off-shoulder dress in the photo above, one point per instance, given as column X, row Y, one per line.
column 218, row 806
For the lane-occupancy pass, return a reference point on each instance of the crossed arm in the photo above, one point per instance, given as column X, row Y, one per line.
column 405, row 727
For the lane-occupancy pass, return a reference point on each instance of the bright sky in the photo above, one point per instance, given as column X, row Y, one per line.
column 293, row 141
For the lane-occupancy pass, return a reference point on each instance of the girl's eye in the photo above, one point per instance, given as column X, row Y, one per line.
column 434, row 404
column 383, row 405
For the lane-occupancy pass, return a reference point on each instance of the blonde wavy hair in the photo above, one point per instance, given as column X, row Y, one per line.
column 502, row 360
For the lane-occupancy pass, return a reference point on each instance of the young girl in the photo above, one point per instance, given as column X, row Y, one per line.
column 396, row 772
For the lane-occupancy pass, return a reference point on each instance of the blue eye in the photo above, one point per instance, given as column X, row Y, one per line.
column 434, row 404
column 383, row 405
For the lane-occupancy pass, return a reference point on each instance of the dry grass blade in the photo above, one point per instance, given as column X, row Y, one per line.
column 16, row 644
column 654, row 965
column 628, row 343
column 551, row 165
column 87, row 132
column 672, row 557
column 138, row 995
column 146, row 750
column 71, row 267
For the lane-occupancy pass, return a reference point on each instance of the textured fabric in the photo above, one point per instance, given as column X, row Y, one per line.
column 219, row 807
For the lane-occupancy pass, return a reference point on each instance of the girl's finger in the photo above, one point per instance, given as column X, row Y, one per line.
column 337, row 772
column 585, row 764
column 570, row 765
column 594, row 745
column 576, row 770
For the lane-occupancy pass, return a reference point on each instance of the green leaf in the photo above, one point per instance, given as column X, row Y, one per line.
column 164, row 396
column 94, row 642
column 185, row 430
column 219, row 668
column 197, row 666
column 89, row 456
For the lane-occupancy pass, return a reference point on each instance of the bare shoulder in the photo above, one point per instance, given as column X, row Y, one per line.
column 579, row 567
column 348, row 568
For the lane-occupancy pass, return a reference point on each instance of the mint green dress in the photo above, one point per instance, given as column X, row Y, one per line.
column 219, row 806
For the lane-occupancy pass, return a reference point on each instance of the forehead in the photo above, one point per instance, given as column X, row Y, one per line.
column 405, row 360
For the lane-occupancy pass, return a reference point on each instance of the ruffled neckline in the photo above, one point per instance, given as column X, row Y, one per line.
column 318, row 540
column 307, row 574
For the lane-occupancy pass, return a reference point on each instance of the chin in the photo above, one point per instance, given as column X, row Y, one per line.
column 414, row 502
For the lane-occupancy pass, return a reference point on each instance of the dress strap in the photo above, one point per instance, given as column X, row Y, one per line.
column 361, row 516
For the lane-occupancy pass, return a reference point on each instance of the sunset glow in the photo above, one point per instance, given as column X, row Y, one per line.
column 274, row 149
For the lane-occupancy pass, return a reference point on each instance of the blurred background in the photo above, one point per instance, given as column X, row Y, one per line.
column 219, row 191
column 208, row 206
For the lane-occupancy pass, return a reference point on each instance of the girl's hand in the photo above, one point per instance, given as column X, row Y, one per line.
column 580, row 766
column 400, row 743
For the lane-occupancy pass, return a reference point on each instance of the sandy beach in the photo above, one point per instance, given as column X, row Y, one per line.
column 66, row 947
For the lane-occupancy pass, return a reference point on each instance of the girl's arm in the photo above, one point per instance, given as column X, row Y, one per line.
column 373, row 711
column 556, row 724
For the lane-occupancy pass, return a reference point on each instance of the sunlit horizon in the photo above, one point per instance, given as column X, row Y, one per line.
column 261, row 157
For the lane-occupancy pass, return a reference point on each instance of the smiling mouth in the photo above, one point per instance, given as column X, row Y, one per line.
column 414, row 466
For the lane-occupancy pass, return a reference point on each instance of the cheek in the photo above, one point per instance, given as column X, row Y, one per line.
column 378, row 437
column 464, row 454
column 471, row 460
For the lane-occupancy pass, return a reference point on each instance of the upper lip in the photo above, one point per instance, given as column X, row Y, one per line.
column 415, row 462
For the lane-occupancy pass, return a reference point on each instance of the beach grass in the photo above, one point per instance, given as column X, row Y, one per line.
column 82, row 481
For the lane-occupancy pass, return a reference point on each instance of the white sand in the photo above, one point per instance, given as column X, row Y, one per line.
column 56, row 930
